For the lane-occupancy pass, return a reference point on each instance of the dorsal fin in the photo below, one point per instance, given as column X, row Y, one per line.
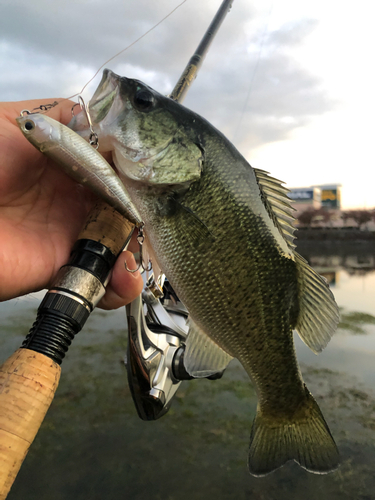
column 278, row 205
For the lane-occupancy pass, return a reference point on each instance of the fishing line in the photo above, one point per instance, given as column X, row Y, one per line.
column 128, row 47
column 263, row 38
column 47, row 107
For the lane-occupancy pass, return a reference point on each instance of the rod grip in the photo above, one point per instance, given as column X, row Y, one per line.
column 29, row 379
column 107, row 226
column 28, row 382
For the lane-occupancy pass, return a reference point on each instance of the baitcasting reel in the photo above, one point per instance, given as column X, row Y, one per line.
column 158, row 328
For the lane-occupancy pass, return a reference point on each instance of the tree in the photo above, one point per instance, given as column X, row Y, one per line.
column 346, row 216
column 311, row 215
column 322, row 214
column 361, row 216
column 305, row 218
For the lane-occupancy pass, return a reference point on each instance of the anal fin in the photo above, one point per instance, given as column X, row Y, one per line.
column 203, row 357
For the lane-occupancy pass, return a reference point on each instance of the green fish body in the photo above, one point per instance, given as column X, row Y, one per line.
column 222, row 233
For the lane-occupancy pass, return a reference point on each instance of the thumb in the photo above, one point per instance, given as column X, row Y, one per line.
column 123, row 286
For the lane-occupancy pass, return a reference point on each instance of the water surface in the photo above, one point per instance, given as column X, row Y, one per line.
column 92, row 445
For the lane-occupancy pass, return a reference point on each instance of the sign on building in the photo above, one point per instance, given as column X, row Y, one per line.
column 331, row 197
column 302, row 194
column 305, row 197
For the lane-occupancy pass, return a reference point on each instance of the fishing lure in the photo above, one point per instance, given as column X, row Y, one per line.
column 78, row 159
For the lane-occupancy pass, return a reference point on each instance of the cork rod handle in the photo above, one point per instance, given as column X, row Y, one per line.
column 28, row 379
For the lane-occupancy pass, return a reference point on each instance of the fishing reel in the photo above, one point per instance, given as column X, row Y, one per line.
column 157, row 332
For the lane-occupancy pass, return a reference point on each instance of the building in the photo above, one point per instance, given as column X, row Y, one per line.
column 315, row 197
column 305, row 198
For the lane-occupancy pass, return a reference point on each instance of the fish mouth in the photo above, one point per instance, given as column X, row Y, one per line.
column 108, row 111
column 99, row 105
column 104, row 96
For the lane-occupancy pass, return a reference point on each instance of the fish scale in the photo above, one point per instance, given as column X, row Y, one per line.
column 221, row 232
column 254, row 240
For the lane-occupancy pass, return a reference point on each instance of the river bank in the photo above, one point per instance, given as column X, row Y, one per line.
column 333, row 234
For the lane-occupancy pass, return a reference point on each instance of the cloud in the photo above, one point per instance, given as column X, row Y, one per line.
column 51, row 49
column 292, row 33
column 261, row 96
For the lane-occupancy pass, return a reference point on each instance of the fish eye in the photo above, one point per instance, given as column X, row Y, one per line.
column 29, row 125
column 143, row 99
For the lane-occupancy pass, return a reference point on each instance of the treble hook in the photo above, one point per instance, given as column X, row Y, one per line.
column 93, row 139
column 140, row 240
column 72, row 110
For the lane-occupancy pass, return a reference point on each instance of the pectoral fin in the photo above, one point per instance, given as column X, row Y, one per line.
column 188, row 222
column 203, row 356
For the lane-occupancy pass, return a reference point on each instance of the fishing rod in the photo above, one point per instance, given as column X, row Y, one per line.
column 193, row 66
column 30, row 377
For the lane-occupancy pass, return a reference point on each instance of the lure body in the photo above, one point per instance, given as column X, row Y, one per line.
column 79, row 160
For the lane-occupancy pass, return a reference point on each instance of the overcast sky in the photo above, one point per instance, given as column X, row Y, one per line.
column 291, row 83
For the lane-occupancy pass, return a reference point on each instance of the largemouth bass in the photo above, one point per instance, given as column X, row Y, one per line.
column 79, row 160
column 222, row 232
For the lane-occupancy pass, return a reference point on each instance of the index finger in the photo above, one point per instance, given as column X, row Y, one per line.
column 61, row 112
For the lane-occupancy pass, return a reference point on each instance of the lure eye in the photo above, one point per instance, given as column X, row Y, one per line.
column 143, row 100
column 29, row 125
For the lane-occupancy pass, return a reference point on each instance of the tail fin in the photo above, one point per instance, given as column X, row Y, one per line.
column 304, row 438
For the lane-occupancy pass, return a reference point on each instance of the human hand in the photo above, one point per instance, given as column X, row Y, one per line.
column 42, row 212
